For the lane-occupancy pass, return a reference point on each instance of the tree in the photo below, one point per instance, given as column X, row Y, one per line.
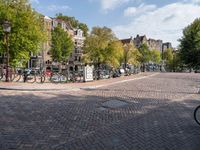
column 131, row 55
column 155, row 56
column 190, row 45
column 27, row 34
column 145, row 54
column 62, row 45
column 177, row 62
column 168, row 57
column 75, row 23
column 113, row 54
column 101, row 46
column 84, row 28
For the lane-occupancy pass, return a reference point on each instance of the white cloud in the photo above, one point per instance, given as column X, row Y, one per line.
column 164, row 23
column 196, row 1
column 35, row 1
column 58, row 8
column 132, row 11
column 112, row 4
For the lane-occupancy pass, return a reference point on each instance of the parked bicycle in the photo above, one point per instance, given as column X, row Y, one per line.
column 17, row 74
column 57, row 75
column 76, row 76
column 197, row 114
column 33, row 75
column 11, row 73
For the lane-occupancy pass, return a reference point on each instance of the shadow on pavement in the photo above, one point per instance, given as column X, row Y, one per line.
column 68, row 121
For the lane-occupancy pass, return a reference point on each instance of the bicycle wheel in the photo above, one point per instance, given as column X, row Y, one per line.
column 1, row 75
column 13, row 76
column 63, row 78
column 55, row 78
column 31, row 78
column 197, row 114
column 79, row 78
column 40, row 78
column 17, row 78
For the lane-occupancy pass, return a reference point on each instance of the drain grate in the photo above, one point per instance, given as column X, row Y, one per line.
column 114, row 104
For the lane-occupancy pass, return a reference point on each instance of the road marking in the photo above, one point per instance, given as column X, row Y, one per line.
column 118, row 82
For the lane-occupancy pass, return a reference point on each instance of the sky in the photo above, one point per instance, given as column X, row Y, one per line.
column 157, row 19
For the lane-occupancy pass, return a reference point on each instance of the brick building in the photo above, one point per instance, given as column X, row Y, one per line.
column 44, row 57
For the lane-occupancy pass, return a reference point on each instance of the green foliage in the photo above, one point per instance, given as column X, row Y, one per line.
column 131, row 55
column 84, row 28
column 75, row 23
column 101, row 46
column 168, row 57
column 177, row 63
column 145, row 53
column 27, row 33
column 155, row 56
column 114, row 53
column 62, row 45
column 190, row 45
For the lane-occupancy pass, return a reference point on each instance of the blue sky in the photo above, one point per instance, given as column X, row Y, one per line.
column 159, row 19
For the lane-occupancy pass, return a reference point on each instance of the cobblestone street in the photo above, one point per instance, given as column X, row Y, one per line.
column 153, row 113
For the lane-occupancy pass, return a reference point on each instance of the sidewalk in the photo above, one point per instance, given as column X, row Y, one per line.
column 70, row 86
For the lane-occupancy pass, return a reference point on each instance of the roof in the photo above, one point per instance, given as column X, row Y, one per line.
column 126, row 41
column 69, row 26
column 48, row 18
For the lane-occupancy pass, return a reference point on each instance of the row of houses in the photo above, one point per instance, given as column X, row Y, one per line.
column 151, row 43
column 44, row 59
column 74, row 61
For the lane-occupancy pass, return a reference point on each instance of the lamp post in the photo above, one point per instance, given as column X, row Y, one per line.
column 7, row 30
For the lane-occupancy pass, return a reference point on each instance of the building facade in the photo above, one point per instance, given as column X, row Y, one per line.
column 166, row 46
column 44, row 59
column 151, row 43
column 75, row 60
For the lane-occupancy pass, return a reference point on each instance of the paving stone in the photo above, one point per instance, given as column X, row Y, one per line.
column 154, row 113
column 114, row 104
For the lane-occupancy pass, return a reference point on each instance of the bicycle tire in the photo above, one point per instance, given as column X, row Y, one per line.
column 12, row 76
column 79, row 78
column 197, row 115
column 31, row 78
column 40, row 78
column 17, row 78
column 1, row 76
column 63, row 78
column 55, row 78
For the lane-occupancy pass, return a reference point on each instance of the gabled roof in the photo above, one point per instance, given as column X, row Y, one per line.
column 126, row 41
column 69, row 26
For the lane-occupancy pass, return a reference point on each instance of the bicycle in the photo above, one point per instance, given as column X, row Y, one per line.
column 11, row 74
column 76, row 77
column 197, row 115
column 2, row 73
column 33, row 75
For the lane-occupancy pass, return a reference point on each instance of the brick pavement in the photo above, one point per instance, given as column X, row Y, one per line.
column 68, row 86
column 158, row 115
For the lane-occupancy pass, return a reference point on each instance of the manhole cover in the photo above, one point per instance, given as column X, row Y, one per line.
column 114, row 104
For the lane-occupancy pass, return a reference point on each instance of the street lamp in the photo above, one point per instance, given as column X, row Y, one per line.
column 7, row 30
